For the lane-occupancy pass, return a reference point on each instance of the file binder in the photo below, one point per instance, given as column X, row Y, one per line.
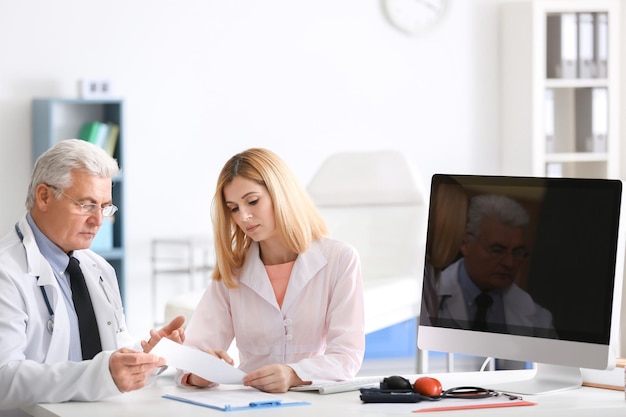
column 561, row 42
column 549, row 120
column 592, row 119
column 601, row 44
column 586, row 56
column 599, row 119
column 235, row 399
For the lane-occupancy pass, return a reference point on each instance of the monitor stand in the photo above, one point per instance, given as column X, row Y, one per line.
column 547, row 378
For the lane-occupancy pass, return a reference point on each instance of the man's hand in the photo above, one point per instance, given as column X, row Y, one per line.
column 273, row 378
column 130, row 369
column 173, row 331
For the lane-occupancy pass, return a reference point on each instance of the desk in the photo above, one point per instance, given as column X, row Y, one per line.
column 148, row 402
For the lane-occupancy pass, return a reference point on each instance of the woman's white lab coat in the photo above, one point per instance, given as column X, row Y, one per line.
column 34, row 364
column 319, row 331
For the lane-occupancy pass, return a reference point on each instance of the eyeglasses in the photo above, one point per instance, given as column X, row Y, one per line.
column 497, row 251
column 89, row 208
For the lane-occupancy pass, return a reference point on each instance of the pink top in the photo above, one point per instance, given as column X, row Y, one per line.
column 279, row 277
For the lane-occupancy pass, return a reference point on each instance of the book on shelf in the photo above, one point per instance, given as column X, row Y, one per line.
column 111, row 141
column 102, row 135
column 89, row 131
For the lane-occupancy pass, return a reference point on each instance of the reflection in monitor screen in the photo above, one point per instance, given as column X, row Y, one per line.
column 525, row 269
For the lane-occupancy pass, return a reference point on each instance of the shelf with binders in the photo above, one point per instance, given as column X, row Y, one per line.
column 576, row 121
column 577, row 44
column 576, row 132
column 560, row 87
column 56, row 119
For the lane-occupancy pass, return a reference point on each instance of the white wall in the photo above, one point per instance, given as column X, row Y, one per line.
column 204, row 79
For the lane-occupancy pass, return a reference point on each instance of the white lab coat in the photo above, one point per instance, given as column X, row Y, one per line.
column 519, row 308
column 319, row 331
column 33, row 363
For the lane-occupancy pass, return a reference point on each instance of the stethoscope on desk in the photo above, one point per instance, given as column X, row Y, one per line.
column 50, row 323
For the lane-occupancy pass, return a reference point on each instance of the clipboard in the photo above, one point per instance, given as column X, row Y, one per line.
column 235, row 399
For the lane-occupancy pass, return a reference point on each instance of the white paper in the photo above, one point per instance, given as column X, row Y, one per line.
column 198, row 362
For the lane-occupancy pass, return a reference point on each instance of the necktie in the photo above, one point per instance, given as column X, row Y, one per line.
column 483, row 302
column 87, row 325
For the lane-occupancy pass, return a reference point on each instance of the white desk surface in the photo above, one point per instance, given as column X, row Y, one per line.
column 148, row 402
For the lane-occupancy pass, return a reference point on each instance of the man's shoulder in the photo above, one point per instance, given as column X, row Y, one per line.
column 10, row 247
column 451, row 271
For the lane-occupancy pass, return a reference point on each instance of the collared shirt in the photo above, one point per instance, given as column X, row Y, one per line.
column 318, row 330
column 59, row 261
column 495, row 313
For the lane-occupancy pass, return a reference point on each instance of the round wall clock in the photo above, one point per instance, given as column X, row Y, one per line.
column 414, row 17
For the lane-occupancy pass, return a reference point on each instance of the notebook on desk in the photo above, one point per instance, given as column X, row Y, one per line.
column 332, row 387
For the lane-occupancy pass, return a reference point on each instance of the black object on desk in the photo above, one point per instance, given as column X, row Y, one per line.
column 377, row 395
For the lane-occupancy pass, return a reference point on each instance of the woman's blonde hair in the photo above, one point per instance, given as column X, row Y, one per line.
column 447, row 224
column 297, row 220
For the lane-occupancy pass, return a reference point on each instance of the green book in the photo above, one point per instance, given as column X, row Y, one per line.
column 89, row 132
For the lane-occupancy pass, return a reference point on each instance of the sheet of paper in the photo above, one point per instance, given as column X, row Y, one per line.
column 198, row 362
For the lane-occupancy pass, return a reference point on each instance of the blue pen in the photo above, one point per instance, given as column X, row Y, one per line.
column 272, row 403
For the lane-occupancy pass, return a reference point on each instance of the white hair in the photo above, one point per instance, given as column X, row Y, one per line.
column 503, row 209
column 54, row 167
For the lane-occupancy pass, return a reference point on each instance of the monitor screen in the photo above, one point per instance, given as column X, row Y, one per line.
column 526, row 269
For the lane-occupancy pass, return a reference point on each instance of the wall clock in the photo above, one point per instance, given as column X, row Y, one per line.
column 414, row 17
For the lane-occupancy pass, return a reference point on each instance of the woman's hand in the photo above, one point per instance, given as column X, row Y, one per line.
column 173, row 331
column 273, row 378
column 222, row 354
column 197, row 381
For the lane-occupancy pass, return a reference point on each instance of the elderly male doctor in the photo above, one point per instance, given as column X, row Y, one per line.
column 493, row 249
column 57, row 344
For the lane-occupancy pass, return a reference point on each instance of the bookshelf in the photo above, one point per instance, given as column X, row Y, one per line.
column 55, row 119
column 559, row 88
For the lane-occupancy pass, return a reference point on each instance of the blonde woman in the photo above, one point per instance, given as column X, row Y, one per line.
column 446, row 229
column 291, row 297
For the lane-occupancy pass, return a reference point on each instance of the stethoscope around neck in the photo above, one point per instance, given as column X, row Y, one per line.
column 50, row 323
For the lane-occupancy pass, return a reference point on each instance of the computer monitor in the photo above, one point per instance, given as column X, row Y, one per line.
column 549, row 252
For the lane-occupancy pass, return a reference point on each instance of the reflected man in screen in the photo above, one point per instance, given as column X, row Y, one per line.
column 479, row 291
